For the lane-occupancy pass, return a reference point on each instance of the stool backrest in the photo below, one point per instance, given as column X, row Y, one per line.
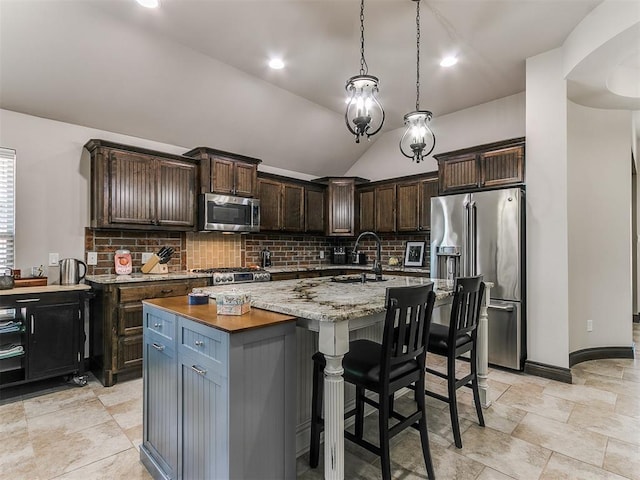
column 407, row 324
column 465, row 310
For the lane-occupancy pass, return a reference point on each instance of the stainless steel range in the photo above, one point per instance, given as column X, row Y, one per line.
column 224, row 276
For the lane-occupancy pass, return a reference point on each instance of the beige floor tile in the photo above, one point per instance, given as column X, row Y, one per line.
column 497, row 388
column 628, row 405
column 565, row 468
column 621, row 427
column 613, row 385
column 128, row 414
column 123, row 465
column 12, row 418
column 631, row 374
column 491, row 474
column 64, row 453
column 623, row 458
column 583, row 394
column 600, row 367
column 504, row 453
column 134, row 434
column 534, row 401
column 17, row 456
column 120, row 392
column 517, row 378
column 574, row 442
column 498, row 416
column 68, row 420
column 53, row 402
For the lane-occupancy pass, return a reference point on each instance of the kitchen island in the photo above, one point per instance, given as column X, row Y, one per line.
column 333, row 309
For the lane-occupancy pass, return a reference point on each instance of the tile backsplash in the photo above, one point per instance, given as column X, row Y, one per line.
column 210, row 250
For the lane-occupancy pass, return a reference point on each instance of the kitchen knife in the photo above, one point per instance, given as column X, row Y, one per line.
column 166, row 256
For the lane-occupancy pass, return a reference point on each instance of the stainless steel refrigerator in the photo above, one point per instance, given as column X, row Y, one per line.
column 483, row 233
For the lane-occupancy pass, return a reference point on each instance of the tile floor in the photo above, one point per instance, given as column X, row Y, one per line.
column 535, row 429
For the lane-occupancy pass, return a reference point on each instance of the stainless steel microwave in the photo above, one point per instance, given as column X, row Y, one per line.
column 224, row 213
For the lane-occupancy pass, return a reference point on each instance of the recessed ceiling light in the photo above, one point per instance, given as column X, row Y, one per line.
column 148, row 3
column 449, row 61
column 276, row 63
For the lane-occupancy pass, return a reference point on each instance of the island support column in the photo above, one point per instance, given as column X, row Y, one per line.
column 483, row 349
column 334, row 344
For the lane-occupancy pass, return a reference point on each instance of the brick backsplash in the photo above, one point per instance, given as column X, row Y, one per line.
column 106, row 242
column 210, row 250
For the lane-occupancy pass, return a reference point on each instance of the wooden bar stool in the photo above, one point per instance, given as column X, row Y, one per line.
column 384, row 369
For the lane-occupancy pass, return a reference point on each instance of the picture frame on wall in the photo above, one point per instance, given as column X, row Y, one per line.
column 414, row 254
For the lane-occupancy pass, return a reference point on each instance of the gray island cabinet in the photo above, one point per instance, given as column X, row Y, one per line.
column 219, row 392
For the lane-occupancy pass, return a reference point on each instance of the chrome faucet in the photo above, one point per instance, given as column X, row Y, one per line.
column 377, row 265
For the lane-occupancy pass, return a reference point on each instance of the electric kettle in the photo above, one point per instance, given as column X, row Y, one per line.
column 70, row 271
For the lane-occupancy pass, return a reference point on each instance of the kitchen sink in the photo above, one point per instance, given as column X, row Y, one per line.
column 355, row 279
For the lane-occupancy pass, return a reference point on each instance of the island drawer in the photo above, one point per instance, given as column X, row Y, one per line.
column 160, row 322
column 208, row 345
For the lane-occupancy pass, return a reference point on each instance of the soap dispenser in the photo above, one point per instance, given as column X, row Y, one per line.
column 265, row 255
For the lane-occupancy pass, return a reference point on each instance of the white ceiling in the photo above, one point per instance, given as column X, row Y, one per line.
column 194, row 72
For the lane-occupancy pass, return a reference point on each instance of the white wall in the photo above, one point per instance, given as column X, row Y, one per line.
column 489, row 122
column 547, row 243
column 599, row 221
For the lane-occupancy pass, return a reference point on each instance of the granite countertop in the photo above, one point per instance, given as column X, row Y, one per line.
column 322, row 299
column 142, row 277
column 346, row 266
column 207, row 314
column 44, row 289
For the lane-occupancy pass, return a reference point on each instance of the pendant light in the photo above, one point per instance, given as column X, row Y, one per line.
column 418, row 140
column 364, row 114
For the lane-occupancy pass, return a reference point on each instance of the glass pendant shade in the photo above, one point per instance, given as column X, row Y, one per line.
column 418, row 140
column 364, row 114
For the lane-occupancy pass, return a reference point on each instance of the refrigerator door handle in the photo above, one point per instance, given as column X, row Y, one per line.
column 473, row 241
column 466, row 236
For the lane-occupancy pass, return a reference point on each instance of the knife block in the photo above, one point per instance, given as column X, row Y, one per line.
column 159, row 269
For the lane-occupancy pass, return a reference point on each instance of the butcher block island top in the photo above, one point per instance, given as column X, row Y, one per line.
column 207, row 314
column 326, row 299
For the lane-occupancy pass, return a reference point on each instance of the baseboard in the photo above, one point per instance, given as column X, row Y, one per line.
column 599, row 353
column 636, row 318
column 548, row 371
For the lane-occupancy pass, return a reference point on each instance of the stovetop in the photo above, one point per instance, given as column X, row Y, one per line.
column 236, row 275
column 227, row 270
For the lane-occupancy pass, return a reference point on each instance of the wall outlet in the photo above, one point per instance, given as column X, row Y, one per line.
column 146, row 256
column 321, row 254
column 589, row 325
column 54, row 259
column 92, row 258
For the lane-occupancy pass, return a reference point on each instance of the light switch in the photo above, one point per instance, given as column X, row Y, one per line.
column 92, row 258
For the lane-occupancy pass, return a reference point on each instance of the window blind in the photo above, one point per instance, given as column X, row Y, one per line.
column 7, row 206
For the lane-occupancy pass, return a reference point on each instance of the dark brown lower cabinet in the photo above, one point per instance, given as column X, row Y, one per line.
column 116, row 343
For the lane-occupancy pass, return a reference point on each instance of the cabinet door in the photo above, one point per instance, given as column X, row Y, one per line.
column 366, row 210
column 54, row 332
column 132, row 188
column 245, row 179
column 408, row 195
column 341, row 194
column 314, row 210
column 160, row 411
column 428, row 190
column 269, row 192
column 203, row 423
column 458, row 173
column 292, row 208
column 129, row 352
column 386, row 208
column 222, row 175
column 176, row 193
column 502, row 167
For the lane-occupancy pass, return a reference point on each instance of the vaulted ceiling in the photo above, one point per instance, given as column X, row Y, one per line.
column 194, row 72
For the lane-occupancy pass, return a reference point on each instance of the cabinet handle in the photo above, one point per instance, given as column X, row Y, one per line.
column 157, row 325
column 33, row 326
column 167, row 290
column 28, row 300
column 158, row 347
column 199, row 343
column 199, row 371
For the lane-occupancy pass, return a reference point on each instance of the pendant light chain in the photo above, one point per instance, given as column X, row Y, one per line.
column 418, row 55
column 364, row 68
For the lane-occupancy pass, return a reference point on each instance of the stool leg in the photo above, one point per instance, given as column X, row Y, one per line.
column 424, row 434
column 383, row 426
column 474, row 387
column 359, row 412
column 316, row 415
column 453, row 403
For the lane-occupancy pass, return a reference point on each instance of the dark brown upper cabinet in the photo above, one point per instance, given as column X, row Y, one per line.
column 281, row 205
column 314, row 217
column 386, row 208
column 366, row 209
column 226, row 173
column 484, row 166
column 414, row 203
column 136, row 188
